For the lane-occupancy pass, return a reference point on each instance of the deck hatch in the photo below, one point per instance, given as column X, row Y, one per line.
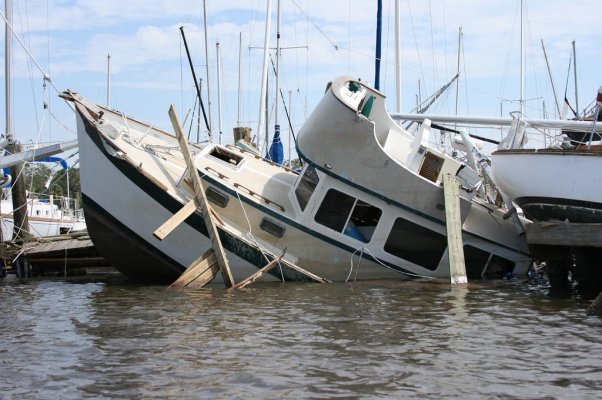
column 225, row 155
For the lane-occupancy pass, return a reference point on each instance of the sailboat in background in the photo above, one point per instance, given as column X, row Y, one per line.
column 25, row 214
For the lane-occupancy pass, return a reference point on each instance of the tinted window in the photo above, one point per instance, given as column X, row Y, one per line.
column 363, row 221
column 335, row 210
column 416, row 244
column 334, row 213
column 475, row 260
column 307, row 185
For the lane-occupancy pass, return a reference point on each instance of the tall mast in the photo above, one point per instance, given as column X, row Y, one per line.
column 108, row 80
column 264, row 73
column 18, row 192
column 460, row 36
column 239, row 77
column 397, row 57
column 219, row 92
column 575, row 72
column 277, row 96
column 207, row 61
column 8, row 56
column 522, row 63
column 379, row 17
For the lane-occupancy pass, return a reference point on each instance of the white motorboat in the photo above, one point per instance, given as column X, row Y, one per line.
column 368, row 203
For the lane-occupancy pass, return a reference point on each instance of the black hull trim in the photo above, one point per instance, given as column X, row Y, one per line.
column 557, row 209
column 125, row 250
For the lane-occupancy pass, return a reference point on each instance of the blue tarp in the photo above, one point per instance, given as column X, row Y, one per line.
column 276, row 152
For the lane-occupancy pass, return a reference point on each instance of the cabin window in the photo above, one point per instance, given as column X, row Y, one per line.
column 272, row 227
column 416, row 244
column 349, row 215
column 225, row 155
column 498, row 267
column 216, row 197
column 307, row 185
column 475, row 260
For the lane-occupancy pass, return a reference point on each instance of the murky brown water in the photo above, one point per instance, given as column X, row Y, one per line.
column 502, row 340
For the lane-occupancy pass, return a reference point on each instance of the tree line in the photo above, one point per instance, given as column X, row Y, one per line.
column 39, row 178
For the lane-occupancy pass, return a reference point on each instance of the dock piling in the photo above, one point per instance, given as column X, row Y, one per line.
column 453, row 220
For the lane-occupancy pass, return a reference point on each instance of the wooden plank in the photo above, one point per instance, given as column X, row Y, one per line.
column 202, row 200
column 564, row 234
column 453, row 222
column 199, row 273
column 175, row 220
column 246, row 282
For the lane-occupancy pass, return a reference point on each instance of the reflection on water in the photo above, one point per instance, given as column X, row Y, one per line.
column 380, row 339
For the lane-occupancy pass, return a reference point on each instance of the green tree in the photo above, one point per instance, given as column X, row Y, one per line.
column 37, row 174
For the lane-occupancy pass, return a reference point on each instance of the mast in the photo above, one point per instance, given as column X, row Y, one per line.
column 397, row 57
column 545, row 54
column 379, row 28
column 277, row 84
column 460, row 35
column 264, row 73
column 8, row 55
column 239, row 77
column 108, row 80
column 19, row 196
column 207, row 62
column 575, row 72
column 522, row 62
column 219, row 92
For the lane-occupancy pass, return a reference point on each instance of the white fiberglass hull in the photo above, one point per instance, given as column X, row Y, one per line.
column 552, row 184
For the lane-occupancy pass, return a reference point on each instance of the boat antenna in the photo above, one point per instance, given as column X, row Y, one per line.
column 379, row 28
column 198, row 90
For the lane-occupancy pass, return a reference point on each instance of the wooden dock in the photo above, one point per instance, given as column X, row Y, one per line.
column 569, row 249
column 69, row 254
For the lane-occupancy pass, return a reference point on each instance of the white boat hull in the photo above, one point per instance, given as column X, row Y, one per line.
column 552, row 184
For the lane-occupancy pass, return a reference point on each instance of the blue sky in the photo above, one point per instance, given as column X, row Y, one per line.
column 149, row 71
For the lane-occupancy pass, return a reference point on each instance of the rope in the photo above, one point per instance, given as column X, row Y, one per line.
column 367, row 250
column 252, row 238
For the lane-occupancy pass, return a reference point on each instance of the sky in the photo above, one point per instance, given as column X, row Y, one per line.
column 320, row 40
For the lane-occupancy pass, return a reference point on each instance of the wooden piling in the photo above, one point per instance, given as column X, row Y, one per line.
column 197, row 185
column 453, row 220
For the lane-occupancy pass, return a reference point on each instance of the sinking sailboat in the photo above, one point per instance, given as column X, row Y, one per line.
column 368, row 203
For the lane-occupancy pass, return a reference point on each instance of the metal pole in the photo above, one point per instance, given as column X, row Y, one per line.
column 458, row 69
column 290, row 129
column 8, row 56
column 397, row 57
column 264, row 74
column 207, row 62
column 545, row 54
column 522, row 63
column 219, row 92
column 575, row 72
column 108, row 80
column 379, row 16
column 239, row 77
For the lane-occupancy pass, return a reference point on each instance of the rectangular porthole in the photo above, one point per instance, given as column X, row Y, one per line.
column 416, row 244
column 272, row 227
column 216, row 197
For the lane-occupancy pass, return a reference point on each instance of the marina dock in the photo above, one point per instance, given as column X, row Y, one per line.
column 69, row 254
